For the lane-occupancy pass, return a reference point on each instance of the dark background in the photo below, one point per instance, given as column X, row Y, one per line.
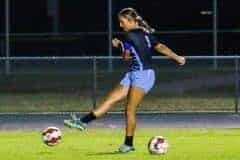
column 28, row 16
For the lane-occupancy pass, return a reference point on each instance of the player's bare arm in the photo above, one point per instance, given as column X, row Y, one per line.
column 162, row 48
column 126, row 55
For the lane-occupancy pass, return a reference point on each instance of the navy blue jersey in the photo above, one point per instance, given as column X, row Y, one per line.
column 140, row 45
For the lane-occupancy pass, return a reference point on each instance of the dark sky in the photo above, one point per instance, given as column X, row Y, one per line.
column 91, row 15
column 28, row 16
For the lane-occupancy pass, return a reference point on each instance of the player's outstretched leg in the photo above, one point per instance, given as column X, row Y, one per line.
column 117, row 94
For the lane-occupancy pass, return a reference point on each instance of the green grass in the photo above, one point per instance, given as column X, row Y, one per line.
column 100, row 144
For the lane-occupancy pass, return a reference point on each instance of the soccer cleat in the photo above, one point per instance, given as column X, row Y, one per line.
column 125, row 148
column 75, row 124
column 74, row 117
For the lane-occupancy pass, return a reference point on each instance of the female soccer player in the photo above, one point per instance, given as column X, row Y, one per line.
column 137, row 82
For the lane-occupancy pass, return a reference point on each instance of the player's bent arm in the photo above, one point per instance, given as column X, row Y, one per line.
column 162, row 48
column 126, row 55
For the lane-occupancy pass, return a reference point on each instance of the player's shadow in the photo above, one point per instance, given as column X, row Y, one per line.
column 44, row 153
column 103, row 153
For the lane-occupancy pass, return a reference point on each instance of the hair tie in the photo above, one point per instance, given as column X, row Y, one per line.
column 139, row 18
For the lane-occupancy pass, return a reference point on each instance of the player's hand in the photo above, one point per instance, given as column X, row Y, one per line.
column 181, row 60
column 116, row 42
column 126, row 56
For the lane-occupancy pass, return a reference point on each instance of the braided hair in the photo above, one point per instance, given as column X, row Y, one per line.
column 131, row 13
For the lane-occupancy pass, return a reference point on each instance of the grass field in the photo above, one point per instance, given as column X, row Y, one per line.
column 100, row 144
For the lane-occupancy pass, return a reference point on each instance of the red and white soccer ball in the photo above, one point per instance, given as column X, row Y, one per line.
column 158, row 145
column 51, row 136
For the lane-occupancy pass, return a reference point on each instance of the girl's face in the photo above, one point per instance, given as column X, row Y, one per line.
column 126, row 23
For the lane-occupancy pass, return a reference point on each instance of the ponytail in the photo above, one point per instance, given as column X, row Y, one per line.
column 132, row 13
column 144, row 25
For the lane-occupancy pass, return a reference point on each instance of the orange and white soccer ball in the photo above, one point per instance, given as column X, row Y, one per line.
column 51, row 136
column 158, row 145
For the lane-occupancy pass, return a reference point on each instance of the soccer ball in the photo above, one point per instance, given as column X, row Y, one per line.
column 158, row 145
column 51, row 136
